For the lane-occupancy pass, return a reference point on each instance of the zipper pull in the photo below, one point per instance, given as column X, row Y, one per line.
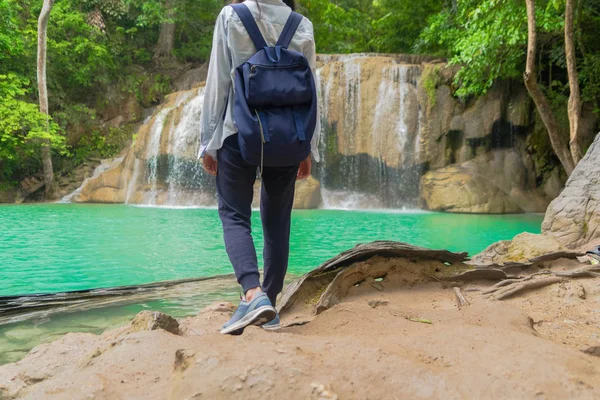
column 262, row 134
column 252, row 70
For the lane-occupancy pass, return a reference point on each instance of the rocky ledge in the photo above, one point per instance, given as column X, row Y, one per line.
column 376, row 321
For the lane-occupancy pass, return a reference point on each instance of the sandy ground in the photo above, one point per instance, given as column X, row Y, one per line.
column 370, row 346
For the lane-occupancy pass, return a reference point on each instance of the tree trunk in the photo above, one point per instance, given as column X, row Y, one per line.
column 166, row 38
column 559, row 145
column 43, row 93
column 454, row 6
column 574, row 109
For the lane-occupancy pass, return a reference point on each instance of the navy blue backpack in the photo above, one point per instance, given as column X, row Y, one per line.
column 275, row 104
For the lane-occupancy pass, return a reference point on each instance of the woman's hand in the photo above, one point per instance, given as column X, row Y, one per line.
column 304, row 170
column 210, row 164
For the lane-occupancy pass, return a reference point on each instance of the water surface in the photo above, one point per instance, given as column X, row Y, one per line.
column 63, row 247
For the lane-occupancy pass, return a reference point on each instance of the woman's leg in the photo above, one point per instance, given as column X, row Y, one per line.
column 235, row 189
column 276, row 202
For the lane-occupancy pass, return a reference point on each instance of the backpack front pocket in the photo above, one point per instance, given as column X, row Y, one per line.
column 277, row 86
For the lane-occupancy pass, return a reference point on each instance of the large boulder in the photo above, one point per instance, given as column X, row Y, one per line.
column 574, row 217
column 105, row 188
column 520, row 249
column 308, row 194
column 496, row 183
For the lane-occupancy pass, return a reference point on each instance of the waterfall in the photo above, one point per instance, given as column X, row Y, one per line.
column 369, row 145
column 153, row 150
column 185, row 136
column 371, row 130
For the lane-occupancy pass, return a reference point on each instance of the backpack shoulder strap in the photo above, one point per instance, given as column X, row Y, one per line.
column 250, row 24
column 289, row 29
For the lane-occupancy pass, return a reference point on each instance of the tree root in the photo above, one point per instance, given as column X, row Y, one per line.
column 511, row 290
column 460, row 299
column 583, row 272
column 510, row 287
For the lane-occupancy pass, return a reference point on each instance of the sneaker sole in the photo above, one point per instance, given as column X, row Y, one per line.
column 272, row 327
column 259, row 317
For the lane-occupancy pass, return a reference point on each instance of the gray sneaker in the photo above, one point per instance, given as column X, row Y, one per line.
column 257, row 312
column 273, row 325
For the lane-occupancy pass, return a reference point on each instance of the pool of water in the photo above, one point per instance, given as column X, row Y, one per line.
column 56, row 248
column 63, row 247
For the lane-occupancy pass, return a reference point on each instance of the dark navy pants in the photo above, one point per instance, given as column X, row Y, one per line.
column 235, row 188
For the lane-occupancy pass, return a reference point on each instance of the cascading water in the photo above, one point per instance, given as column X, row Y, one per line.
column 182, row 174
column 369, row 143
column 152, row 153
column 371, row 129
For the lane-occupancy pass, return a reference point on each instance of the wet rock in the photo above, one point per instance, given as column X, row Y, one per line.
column 574, row 217
column 153, row 320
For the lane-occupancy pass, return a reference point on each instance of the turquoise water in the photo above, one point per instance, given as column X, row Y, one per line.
column 63, row 247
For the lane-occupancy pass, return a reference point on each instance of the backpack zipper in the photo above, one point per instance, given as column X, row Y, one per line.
column 253, row 67
column 262, row 143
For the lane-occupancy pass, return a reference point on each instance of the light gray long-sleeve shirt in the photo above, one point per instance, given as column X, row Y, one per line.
column 232, row 47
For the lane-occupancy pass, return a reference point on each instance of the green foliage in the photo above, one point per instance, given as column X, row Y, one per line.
column 102, row 145
column 340, row 26
column 79, row 55
column 22, row 128
column 11, row 44
column 486, row 38
column 397, row 30
column 193, row 19
column 93, row 47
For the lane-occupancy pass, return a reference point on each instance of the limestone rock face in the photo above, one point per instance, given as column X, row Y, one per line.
column 479, row 119
column 191, row 78
column 308, row 194
column 497, row 182
column 574, row 216
column 106, row 188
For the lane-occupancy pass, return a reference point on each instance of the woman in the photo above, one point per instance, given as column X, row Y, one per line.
column 235, row 178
